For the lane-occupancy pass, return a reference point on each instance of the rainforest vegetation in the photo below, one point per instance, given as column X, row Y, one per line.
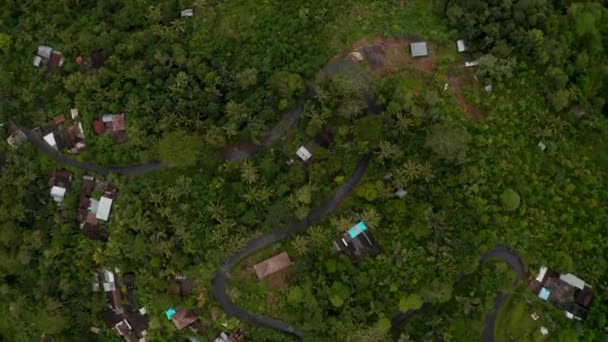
column 194, row 88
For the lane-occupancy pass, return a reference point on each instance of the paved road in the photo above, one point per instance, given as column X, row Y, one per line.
column 131, row 170
column 499, row 252
column 222, row 276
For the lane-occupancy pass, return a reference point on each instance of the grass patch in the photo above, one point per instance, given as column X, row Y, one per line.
column 514, row 323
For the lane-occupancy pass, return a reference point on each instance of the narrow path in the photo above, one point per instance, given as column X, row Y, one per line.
column 221, row 278
column 499, row 252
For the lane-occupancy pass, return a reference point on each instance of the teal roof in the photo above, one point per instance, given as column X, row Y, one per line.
column 544, row 294
column 357, row 229
column 170, row 313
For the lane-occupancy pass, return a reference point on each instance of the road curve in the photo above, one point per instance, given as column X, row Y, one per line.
column 130, row 170
column 221, row 278
column 499, row 252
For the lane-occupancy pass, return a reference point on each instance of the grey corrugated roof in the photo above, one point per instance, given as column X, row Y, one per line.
column 418, row 49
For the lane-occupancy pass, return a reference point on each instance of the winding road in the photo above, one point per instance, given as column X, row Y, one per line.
column 499, row 252
column 246, row 151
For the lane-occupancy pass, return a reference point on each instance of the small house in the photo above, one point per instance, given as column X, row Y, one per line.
column 461, row 45
column 418, row 49
column 303, row 153
column 103, row 208
column 273, row 265
column 565, row 291
column 471, row 64
column 357, row 241
column 181, row 317
column 187, row 13
column 112, row 125
column 60, row 182
column 235, row 336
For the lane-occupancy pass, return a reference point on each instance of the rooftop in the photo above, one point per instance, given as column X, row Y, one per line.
column 272, row 265
column 418, row 49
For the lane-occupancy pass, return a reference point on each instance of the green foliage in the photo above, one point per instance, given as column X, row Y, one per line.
column 179, row 148
column 510, row 199
column 412, row 301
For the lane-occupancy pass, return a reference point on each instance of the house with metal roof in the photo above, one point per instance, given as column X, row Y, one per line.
column 357, row 242
column 273, row 265
column 461, row 45
column 566, row 291
column 419, row 49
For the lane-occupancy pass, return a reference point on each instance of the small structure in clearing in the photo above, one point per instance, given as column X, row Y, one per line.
column 357, row 241
column 565, row 291
column 187, row 12
column 272, row 265
column 461, row 45
column 112, row 125
column 419, row 49
column 303, row 153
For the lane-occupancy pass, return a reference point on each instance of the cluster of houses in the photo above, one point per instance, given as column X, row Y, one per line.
column 566, row 291
column 124, row 319
column 52, row 58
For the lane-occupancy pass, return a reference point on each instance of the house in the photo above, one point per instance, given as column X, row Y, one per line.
column 356, row 241
column 187, row 13
column 275, row 264
column 113, row 290
column 181, row 317
column 471, row 64
column 112, row 125
column 418, row 49
column 461, row 45
column 303, row 153
column 131, row 325
column 181, row 286
column 566, row 291
column 103, row 209
column 60, row 182
column 46, row 53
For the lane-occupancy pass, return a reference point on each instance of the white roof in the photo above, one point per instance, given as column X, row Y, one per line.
column 93, row 206
column 303, row 153
column 400, row 193
column 542, row 145
column 74, row 112
column 488, row 88
column 461, row 46
column 50, row 139
column 143, row 310
column 108, row 287
column 544, row 331
column 418, row 49
column 103, row 210
column 107, row 118
column 471, row 64
column 541, row 274
column 37, row 60
column 44, row 51
column 108, row 276
column 187, row 12
column 572, row 280
column 58, row 193
column 223, row 337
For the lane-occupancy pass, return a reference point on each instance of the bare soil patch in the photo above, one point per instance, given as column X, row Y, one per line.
column 388, row 55
column 455, row 84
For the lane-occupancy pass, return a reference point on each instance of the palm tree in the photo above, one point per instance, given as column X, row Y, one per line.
column 426, row 171
column 341, row 223
column 318, row 119
column 387, row 150
column 251, row 195
column 412, row 170
column 216, row 210
column 248, row 172
column 403, row 123
column 316, row 235
column 371, row 217
column 300, row 244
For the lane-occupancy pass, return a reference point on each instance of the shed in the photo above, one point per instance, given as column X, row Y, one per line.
column 461, row 46
column 187, row 12
column 272, row 265
column 44, row 51
column 37, row 61
column 103, row 210
column 58, row 193
column 304, row 153
column 55, row 60
column 418, row 49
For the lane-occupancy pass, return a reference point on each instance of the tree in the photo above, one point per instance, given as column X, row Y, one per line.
column 510, row 199
column 447, row 141
column 249, row 172
column 247, row 78
column 179, row 148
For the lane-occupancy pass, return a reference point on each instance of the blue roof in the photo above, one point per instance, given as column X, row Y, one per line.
column 544, row 294
column 357, row 229
column 170, row 313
